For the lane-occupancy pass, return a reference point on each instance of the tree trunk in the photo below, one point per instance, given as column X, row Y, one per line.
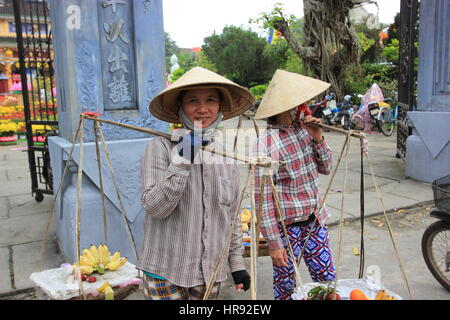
column 330, row 43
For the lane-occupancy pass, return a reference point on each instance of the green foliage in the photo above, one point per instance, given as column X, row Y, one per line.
column 269, row 20
column 378, row 71
column 296, row 28
column 203, row 61
column 170, row 45
column 258, row 91
column 277, row 53
column 358, row 79
column 280, row 52
column 368, row 39
column 392, row 51
column 186, row 60
column 364, row 42
column 284, row 58
column 295, row 64
column 388, row 88
column 170, row 48
column 238, row 54
column 393, row 31
column 177, row 74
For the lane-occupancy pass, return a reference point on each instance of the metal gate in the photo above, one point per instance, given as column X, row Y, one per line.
column 34, row 43
column 407, row 76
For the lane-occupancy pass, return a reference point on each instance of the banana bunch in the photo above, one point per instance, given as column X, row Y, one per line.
column 99, row 260
column 246, row 217
column 107, row 290
column 383, row 295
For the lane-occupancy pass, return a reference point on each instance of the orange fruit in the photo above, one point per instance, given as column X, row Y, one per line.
column 357, row 294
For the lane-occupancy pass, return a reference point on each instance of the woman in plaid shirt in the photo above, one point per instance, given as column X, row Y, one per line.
column 306, row 154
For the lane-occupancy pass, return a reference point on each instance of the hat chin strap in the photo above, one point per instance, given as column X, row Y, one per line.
column 206, row 132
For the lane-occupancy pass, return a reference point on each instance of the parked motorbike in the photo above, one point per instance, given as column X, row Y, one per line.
column 323, row 109
column 343, row 114
column 436, row 238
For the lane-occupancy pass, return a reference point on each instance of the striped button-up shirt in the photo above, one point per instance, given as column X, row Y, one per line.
column 189, row 210
column 297, row 182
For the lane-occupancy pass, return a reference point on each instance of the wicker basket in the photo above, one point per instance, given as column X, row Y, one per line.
column 441, row 193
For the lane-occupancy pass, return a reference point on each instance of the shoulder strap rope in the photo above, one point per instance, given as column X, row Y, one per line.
column 391, row 233
column 361, row 198
column 228, row 241
column 100, row 179
column 341, row 219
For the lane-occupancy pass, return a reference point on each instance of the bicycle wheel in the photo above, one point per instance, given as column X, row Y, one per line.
column 436, row 253
column 386, row 121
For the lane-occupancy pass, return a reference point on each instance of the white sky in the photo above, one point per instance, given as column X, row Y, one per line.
column 189, row 21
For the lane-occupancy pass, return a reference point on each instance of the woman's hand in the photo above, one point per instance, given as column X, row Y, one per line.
column 241, row 280
column 279, row 257
column 314, row 132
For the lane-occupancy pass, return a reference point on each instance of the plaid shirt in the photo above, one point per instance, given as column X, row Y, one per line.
column 297, row 182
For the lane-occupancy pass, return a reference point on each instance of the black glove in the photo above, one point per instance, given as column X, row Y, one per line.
column 189, row 144
column 243, row 277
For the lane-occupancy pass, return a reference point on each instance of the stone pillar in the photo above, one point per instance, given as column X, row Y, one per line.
column 109, row 59
column 428, row 148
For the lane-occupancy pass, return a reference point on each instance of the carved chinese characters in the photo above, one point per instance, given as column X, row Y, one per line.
column 118, row 61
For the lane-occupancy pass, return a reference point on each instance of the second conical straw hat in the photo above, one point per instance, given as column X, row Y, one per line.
column 287, row 90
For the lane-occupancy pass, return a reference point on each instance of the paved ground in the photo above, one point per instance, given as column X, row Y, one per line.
column 23, row 222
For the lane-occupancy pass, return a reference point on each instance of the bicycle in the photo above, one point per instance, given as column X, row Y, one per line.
column 387, row 117
column 436, row 238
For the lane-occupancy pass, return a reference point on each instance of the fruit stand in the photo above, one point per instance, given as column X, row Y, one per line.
column 103, row 277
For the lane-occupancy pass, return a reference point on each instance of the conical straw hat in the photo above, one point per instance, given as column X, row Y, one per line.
column 287, row 90
column 237, row 99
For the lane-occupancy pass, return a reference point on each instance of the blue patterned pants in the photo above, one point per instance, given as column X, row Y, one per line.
column 317, row 257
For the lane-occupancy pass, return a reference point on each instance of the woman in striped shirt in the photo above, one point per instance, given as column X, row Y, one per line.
column 189, row 200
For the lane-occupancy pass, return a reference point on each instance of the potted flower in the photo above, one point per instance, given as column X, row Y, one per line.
column 8, row 134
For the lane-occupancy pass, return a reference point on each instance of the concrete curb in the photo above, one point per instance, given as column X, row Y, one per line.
column 371, row 215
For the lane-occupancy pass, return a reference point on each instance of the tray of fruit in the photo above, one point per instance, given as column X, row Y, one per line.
column 102, row 274
column 346, row 289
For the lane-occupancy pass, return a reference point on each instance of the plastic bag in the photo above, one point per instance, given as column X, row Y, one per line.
column 374, row 94
column 345, row 286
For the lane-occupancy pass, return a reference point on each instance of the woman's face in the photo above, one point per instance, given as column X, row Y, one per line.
column 201, row 106
column 285, row 118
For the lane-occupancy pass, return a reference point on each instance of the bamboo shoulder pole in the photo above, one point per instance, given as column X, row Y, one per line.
column 337, row 130
column 235, row 156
